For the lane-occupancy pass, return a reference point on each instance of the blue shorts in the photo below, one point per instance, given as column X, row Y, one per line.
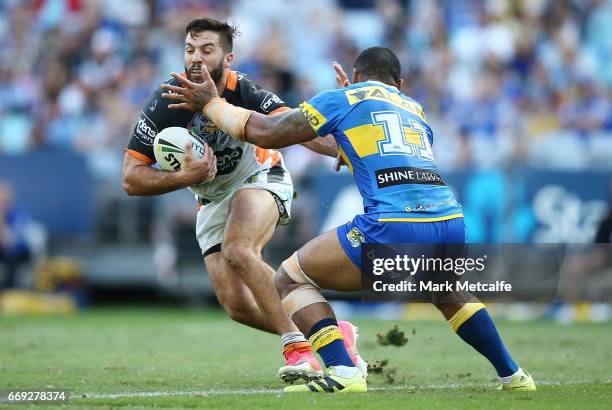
column 367, row 229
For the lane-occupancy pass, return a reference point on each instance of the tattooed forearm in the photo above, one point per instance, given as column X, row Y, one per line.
column 277, row 131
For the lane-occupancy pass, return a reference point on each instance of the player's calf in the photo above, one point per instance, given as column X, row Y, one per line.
column 473, row 324
column 234, row 295
column 238, row 309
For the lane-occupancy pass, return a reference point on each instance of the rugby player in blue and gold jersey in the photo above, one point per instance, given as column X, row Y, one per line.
column 385, row 140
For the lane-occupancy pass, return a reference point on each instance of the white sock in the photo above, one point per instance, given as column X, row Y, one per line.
column 508, row 379
column 345, row 371
column 292, row 337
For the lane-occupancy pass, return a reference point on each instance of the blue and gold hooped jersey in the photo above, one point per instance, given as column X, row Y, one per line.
column 386, row 143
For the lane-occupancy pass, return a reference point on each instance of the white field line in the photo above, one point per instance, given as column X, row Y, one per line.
column 229, row 392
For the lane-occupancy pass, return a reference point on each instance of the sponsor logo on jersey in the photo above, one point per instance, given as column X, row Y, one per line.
column 269, row 101
column 227, row 160
column 406, row 175
column 380, row 93
column 314, row 117
column 145, row 130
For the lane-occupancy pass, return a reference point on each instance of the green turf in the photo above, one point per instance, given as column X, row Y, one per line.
column 199, row 359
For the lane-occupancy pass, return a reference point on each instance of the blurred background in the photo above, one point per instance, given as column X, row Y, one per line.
column 516, row 92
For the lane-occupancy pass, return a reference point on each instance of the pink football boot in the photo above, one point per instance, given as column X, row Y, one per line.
column 350, row 334
column 301, row 363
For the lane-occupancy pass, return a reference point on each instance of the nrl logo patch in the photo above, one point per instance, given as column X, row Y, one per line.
column 355, row 237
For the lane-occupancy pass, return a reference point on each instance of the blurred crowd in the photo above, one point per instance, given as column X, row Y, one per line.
column 501, row 81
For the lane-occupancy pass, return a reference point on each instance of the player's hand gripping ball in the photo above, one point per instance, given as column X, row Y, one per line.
column 169, row 148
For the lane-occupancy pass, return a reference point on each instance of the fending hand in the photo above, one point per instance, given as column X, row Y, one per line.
column 189, row 95
column 341, row 77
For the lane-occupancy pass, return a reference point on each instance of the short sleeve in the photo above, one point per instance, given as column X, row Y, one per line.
column 324, row 111
column 255, row 98
column 154, row 117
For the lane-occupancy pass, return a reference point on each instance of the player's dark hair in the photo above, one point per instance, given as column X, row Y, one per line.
column 379, row 63
column 227, row 32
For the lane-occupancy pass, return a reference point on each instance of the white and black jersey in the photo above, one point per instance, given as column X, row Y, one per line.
column 236, row 160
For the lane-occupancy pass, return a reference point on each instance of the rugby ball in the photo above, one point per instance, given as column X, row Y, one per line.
column 169, row 147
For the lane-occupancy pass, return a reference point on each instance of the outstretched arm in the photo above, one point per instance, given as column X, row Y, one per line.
column 276, row 131
column 327, row 145
column 323, row 145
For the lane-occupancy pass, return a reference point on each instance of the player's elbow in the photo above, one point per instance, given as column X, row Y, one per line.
column 128, row 186
column 129, row 176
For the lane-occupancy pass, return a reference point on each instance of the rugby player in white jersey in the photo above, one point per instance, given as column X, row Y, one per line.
column 243, row 192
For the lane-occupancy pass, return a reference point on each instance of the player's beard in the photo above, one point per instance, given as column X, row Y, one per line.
column 216, row 74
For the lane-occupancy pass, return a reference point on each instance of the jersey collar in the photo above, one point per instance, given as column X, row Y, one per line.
column 381, row 83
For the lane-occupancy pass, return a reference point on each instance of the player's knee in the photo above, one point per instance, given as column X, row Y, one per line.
column 283, row 282
column 239, row 257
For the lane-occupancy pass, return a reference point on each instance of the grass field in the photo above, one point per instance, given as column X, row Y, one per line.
column 143, row 358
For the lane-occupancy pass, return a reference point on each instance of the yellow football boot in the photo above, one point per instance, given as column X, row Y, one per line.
column 521, row 381
column 332, row 384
